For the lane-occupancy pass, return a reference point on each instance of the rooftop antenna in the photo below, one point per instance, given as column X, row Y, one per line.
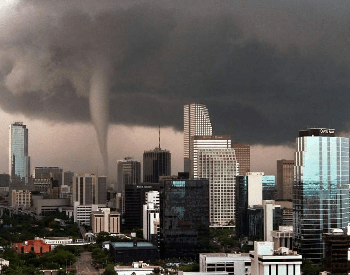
column 159, row 136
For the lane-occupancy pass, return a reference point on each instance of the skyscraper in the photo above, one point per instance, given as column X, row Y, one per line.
column 19, row 161
column 285, row 179
column 214, row 159
column 243, row 157
column 196, row 123
column 90, row 189
column 156, row 163
column 321, row 189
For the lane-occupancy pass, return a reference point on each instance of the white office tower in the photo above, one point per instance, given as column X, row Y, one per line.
column 266, row 260
column 214, row 159
column 196, row 123
column 151, row 220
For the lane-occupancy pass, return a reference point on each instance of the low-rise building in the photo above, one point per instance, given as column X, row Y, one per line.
column 37, row 246
column 237, row 264
column 21, row 199
column 266, row 260
column 56, row 241
column 137, row 268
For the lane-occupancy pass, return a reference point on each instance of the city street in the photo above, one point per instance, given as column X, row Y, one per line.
column 84, row 265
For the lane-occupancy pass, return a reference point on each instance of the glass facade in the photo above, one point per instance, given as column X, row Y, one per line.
column 321, row 189
column 156, row 163
column 268, row 187
column 184, row 217
column 19, row 161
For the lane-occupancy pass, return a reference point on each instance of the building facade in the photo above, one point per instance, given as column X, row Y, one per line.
column 285, row 179
column 265, row 260
column 196, row 123
column 104, row 220
column 243, row 157
column 214, row 159
column 90, row 189
column 21, row 199
column 19, row 161
column 129, row 172
column 184, row 217
column 156, row 163
column 321, row 189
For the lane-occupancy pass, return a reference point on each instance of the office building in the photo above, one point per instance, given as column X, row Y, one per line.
column 156, row 163
column 135, row 198
column 54, row 173
column 19, row 161
column 321, row 189
column 243, row 157
column 129, row 172
column 237, row 264
column 251, row 190
column 196, row 123
column 68, row 178
column 285, row 179
column 21, row 199
column 265, row 260
column 105, row 220
column 214, row 159
column 90, row 189
column 184, row 217
column 283, row 237
column 337, row 245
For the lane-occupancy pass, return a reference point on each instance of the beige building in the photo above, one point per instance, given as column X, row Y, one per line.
column 104, row 220
column 21, row 199
column 285, row 178
column 242, row 152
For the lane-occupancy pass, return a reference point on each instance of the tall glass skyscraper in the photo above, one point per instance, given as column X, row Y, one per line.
column 196, row 123
column 19, row 161
column 321, row 189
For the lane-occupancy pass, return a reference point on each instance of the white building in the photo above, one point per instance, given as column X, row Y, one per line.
column 21, row 199
column 3, row 263
column 255, row 188
column 267, row 261
column 283, row 237
column 56, row 241
column 237, row 264
column 214, row 159
column 104, row 220
column 196, row 123
column 137, row 268
column 82, row 213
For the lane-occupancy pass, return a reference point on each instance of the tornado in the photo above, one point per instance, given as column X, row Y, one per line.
column 99, row 110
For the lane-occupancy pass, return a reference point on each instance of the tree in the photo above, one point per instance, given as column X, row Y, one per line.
column 109, row 270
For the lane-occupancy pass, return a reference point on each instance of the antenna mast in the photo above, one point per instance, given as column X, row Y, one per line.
column 159, row 136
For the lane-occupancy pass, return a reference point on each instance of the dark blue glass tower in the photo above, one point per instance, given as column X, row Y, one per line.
column 321, row 189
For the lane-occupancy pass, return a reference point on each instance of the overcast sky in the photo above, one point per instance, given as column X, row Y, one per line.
column 265, row 69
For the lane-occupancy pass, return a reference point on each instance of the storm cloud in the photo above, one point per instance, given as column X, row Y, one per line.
column 264, row 69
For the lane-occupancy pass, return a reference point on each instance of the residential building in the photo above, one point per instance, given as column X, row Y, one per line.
column 156, row 163
column 233, row 264
column 265, row 260
column 321, row 189
column 285, row 179
column 184, row 217
column 104, row 220
column 243, row 157
column 214, row 159
column 196, row 123
column 19, row 161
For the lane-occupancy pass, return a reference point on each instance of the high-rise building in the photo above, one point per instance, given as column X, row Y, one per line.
column 321, row 189
column 54, row 173
column 196, row 123
column 19, row 161
column 285, row 179
column 90, row 189
column 129, row 172
column 184, row 217
column 156, row 163
column 243, row 157
column 214, row 159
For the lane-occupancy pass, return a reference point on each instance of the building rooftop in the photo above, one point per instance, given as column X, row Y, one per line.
column 132, row 244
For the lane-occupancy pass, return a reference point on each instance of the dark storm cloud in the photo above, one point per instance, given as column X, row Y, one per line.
column 264, row 69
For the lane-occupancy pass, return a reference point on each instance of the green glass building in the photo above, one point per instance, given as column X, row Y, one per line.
column 321, row 189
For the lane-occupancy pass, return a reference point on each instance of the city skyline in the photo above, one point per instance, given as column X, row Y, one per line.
column 264, row 70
